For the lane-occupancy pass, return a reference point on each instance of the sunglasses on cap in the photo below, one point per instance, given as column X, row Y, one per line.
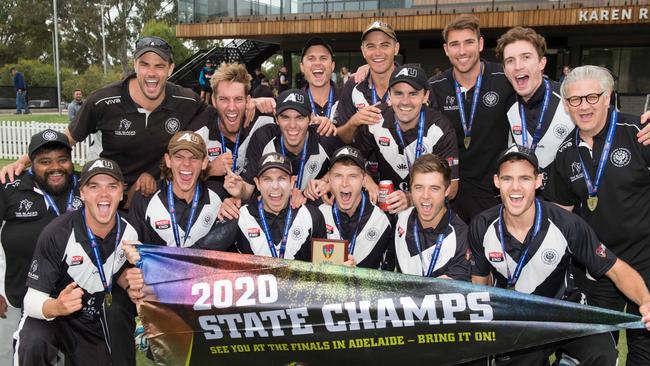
column 152, row 41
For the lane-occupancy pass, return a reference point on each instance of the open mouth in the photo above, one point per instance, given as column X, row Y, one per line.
column 104, row 208
column 426, row 208
column 185, row 176
column 516, row 198
column 151, row 85
column 345, row 197
column 521, row 81
column 275, row 198
column 55, row 178
column 586, row 117
column 318, row 74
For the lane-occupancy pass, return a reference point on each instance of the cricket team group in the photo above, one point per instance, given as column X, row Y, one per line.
column 500, row 176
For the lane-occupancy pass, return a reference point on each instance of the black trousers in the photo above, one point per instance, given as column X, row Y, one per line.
column 121, row 325
column 39, row 342
column 603, row 293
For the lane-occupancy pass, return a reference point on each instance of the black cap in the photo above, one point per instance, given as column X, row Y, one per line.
column 100, row 166
column 274, row 160
column 47, row 137
column 411, row 74
column 520, row 151
column 348, row 152
column 153, row 44
column 293, row 99
column 208, row 61
column 316, row 41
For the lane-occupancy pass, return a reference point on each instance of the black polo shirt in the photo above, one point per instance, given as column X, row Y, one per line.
column 266, row 139
column 489, row 129
column 152, row 221
column 25, row 213
column 64, row 255
column 546, row 270
column 454, row 258
column 556, row 126
column 374, row 233
column 621, row 216
column 207, row 125
column 354, row 97
column 247, row 232
column 128, row 135
column 382, row 140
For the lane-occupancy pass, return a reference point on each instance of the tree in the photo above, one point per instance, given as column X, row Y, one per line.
column 166, row 32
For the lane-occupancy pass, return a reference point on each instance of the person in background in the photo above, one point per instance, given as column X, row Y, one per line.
column 75, row 105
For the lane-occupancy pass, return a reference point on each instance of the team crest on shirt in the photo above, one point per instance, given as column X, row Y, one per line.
column 32, row 270
column 296, row 233
column 313, row 167
column 124, row 129
column 76, row 260
column 172, row 125
column 620, row 157
column 576, row 171
column 24, row 209
column 496, row 257
column 253, row 232
column 329, row 229
column 13, row 184
column 400, row 231
column 490, row 99
column 384, row 141
column 601, row 251
column 372, row 234
column 450, row 103
column 162, row 224
column 516, row 130
column 561, row 131
column 550, row 256
column 77, row 203
column 207, row 220
column 214, row 151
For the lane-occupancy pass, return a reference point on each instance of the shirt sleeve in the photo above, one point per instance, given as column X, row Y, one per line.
column 364, row 141
column 558, row 187
column 345, row 108
column 254, row 152
column 85, row 123
column 447, row 147
column 480, row 265
column 45, row 269
column 222, row 236
column 460, row 266
column 377, row 256
column 587, row 249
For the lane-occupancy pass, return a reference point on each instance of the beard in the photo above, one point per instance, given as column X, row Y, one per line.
column 54, row 190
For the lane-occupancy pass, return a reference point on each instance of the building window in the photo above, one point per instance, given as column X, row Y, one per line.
column 627, row 65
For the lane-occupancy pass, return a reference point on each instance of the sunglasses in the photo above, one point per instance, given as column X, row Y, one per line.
column 152, row 41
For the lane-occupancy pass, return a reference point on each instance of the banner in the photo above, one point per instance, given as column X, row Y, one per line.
column 216, row 308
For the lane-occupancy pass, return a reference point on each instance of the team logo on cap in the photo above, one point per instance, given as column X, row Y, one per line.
column 189, row 138
column 100, row 163
column 408, row 72
column 348, row 151
column 172, row 125
column 620, row 157
column 49, row 135
column 294, row 97
column 490, row 99
column 274, row 158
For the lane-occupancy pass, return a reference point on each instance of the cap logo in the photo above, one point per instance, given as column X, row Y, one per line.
column 49, row 135
column 101, row 164
column 294, row 97
column 407, row 71
column 378, row 24
column 273, row 159
column 347, row 151
column 189, row 138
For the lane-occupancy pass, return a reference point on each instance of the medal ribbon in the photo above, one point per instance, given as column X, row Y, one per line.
column 436, row 250
column 540, row 122
column 235, row 152
column 592, row 188
column 337, row 218
column 51, row 202
column 418, row 145
column 512, row 280
column 97, row 254
column 373, row 92
column 467, row 125
column 303, row 158
column 267, row 232
column 172, row 212
column 330, row 102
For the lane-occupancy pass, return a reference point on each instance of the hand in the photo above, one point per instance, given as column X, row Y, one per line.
column 361, row 73
column 217, row 167
column 229, row 209
column 398, row 201
column 325, row 126
column 297, row 199
column 316, row 188
column 3, row 307
column 146, row 184
column 350, row 262
column 265, row 105
column 131, row 252
column 11, row 171
column 372, row 188
column 368, row 115
column 233, row 184
column 69, row 300
column 135, row 280
column 643, row 135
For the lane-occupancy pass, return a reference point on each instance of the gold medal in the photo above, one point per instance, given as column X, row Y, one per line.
column 592, row 202
column 108, row 300
column 467, row 140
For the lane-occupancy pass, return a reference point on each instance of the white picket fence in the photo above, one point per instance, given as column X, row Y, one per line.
column 15, row 137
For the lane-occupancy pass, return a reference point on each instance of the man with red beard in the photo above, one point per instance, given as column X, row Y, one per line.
column 527, row 245
column 32, row 201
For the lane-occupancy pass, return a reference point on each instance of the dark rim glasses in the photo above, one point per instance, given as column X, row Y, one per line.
column 592, row 98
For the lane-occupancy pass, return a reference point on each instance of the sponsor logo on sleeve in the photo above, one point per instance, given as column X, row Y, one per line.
column 162, row 224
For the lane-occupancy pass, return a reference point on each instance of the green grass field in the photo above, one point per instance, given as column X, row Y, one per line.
column 36, row 117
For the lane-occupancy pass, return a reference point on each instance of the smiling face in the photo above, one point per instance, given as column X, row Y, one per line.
column 52, row 169
column 517, row 182
column 463, row 47
column 186, row 170
column 523, row 67
column 152, row 72
column 590, row 118
column 317, row 65
column 294, row 128
column 230, row 99
column 406, row 101
column 275, row 188
column 346, row 181
column 428, row 192
column 101, row 196
column 379, row 51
